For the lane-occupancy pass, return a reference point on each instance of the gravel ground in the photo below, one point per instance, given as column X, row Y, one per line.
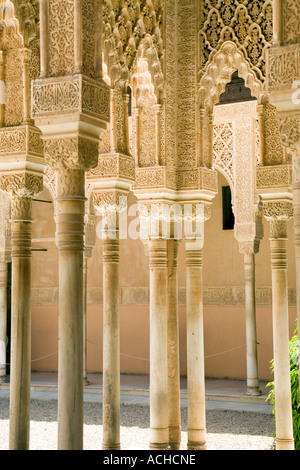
column 226, row 430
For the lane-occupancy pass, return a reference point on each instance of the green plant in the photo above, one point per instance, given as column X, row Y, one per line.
column 294, row 369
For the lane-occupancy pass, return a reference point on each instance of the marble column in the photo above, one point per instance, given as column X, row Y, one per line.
column 70, row 242
column 296, row 206
column 173, row 348
column 89, row 243
column 248, row 250
column 85, row 270
column 20, row 363
column 279, row 244
column 195, row 346
column 111, row 340
column 3, row 319
column 159, row 415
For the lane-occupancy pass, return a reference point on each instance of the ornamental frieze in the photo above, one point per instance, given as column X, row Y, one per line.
column 277, row 176
column 70, row 94
column 283, row 67
column 21, row 140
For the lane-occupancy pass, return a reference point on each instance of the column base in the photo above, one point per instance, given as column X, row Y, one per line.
column 253, row 391
column 285, row 444
column 159, row 446
column 111, row 447
column 196, row 445
column 3, row 380
column 175, row 445
column 175, row 437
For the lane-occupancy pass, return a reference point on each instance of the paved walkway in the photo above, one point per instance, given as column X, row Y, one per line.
column 220, row 393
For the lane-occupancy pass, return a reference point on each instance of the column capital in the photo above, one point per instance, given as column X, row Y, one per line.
column 250, row 247
column 21, row 184
column 70, row 153
column 278, row 213
column 106, row 201
column 278, row 210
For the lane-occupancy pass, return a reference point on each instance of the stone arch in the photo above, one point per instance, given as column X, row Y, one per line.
column 218, row 71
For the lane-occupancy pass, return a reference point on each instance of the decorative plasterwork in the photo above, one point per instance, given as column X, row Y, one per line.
column 218, row 72
column 27, row 13
column 235, row 156
column 21, row 185
column 132, row 27
column 274, row 177
column 212, row 296
column 291, row 22
column 247, row 23
column 70, row 94
column 113, row 166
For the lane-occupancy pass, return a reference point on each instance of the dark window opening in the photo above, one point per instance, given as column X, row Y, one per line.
column 129, row 93
column 236, row 91
column 228, row 216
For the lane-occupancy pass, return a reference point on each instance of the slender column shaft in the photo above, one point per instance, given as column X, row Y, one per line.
column 20, row 368
column 26, row 85
column 111, row 342
column 126, row 123
column 159, row 419
column 70, row 241
column 44, row 38
column 261, row 123
column 157, row 109
column 85, row 380
column 113, row 111
column 137, row 136
column 296, row 205
column 2, row 89
column 195, row 349
column 277, row 22
column 202, row 115
column 211, row 138
column 251, row 339
column 3, row 320
column 173, row 349
column 283, row 408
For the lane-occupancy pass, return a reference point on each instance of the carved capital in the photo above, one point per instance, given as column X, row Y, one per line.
column 278, row 210
column 71, row 153
column 21, row 184
column 105, row 201
column 112, row 166
column 278, row 213
column 249, row 248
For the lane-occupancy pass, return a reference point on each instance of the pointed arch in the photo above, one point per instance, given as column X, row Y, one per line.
column 218, row 72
